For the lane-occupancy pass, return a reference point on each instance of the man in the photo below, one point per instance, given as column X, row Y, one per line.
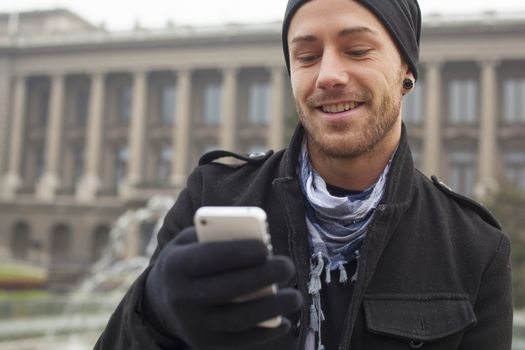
column 368, row 253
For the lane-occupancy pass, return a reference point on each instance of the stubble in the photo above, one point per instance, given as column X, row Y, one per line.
column 347, row 144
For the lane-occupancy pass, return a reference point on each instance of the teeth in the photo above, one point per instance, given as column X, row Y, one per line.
column 340, row 107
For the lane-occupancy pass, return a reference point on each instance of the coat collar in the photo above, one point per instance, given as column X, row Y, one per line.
column 400, row 182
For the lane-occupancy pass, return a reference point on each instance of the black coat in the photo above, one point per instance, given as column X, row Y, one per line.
column 434, row 267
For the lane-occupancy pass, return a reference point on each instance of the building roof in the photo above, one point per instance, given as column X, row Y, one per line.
column 63, row 28
column 43, row 22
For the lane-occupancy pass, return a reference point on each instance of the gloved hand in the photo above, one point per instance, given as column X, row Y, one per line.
column 190, row 289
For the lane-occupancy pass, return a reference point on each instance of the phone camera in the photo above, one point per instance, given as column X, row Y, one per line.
column 204, row 222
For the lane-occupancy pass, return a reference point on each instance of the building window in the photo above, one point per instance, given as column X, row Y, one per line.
column 20, row 240
column 60, row 243
column 212, row 104
column 121, row 164
column 417, row 157
column 39, row 163
column 463, row 101
column 413, row 105
column 124, row 104
column 99, row 241
column 78, row 163
column 167, row 104
column 463, row 172
column 514, row 100
column 164, row 160
column 515, row 168
column 82, row 107
column 258, row 103
column 43, row 107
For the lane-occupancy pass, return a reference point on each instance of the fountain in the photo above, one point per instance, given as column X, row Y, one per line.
column 85, row 311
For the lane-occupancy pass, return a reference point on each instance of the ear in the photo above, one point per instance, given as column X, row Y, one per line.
column 410, row 76
column 408, row 73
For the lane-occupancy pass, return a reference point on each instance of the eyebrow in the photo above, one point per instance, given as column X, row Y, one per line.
column 354, row 30
column 342, row 33
column 303, row 39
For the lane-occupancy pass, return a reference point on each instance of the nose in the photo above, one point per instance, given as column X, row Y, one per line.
column 332, row 73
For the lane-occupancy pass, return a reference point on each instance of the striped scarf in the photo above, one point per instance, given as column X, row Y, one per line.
column 337, row 227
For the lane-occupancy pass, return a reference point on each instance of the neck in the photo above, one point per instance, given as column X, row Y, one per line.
column 358, row 173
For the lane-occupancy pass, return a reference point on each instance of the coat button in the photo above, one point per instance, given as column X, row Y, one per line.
column 414, row 344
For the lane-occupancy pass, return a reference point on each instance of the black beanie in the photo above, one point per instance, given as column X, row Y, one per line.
column 402, row 18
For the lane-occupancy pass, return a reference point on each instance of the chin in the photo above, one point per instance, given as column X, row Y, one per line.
column 341, row 147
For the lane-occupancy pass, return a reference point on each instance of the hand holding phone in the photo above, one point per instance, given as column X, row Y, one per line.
column 191, row 285
column 237, row 223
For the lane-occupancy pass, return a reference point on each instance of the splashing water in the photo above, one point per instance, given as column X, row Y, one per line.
column 88, row 308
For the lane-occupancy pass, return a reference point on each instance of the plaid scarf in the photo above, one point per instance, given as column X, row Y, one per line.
column 337, row 227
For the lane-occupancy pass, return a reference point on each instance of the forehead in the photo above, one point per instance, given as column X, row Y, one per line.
column 332, row 16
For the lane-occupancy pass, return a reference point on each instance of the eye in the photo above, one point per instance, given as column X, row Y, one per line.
column 358, row 53
column 307, row 58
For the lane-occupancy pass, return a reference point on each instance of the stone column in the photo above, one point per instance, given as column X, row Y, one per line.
column 12, row 179
column 229, row 110
column 5, row 89
column 276, row 127
column 137, row 130
column 49, row 183
column 89, row 184
column 488, row 144
column 432, row 128
column 181, row 130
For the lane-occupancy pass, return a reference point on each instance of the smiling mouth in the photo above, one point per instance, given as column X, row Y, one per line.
column 340, row 107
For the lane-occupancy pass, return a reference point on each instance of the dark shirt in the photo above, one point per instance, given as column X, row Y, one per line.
column 335, row 296
column 335, row 302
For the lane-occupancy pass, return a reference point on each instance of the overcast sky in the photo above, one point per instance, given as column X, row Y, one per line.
column 121, row 15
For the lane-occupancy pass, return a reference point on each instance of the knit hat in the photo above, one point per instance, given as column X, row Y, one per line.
column 402, row 18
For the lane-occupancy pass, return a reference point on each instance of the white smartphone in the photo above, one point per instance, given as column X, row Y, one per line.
column 236, row 223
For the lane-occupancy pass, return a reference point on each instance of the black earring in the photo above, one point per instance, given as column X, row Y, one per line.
column 408, row 84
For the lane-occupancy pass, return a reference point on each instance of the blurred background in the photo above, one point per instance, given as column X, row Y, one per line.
column 106, row 106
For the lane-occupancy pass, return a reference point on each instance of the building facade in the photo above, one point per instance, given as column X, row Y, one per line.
column 95, row 122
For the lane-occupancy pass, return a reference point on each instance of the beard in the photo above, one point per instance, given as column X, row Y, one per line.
column 351, row 140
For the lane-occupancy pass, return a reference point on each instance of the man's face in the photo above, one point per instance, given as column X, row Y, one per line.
column 346, row 77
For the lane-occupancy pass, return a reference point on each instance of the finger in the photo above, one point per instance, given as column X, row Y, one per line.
column 236, row 317
column 222, row 288
column 210, row 258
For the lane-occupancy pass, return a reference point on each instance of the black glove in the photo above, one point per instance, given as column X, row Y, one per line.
column 190, row 288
